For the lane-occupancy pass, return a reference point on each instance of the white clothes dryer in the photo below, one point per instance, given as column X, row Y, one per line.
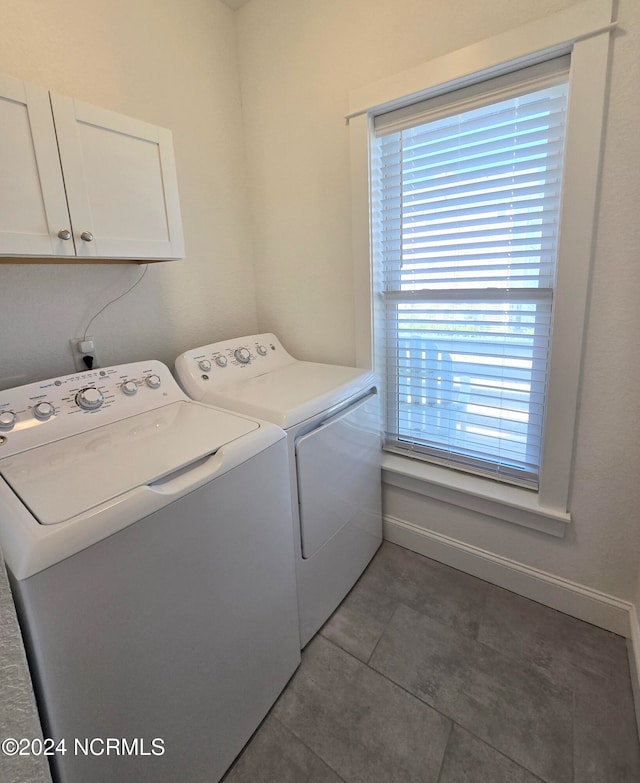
column 331, row 416
column 149, row 546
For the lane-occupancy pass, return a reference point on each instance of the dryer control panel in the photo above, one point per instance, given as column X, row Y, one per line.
column 229, row 361
column 45, row 411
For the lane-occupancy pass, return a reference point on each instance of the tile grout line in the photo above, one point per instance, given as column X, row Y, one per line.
column 442, row 714
column 466, row 729
column 310, row 749
column 513, row 657
column 375, row 646
column 517, row 764
column 444, row 752
column 510, row 656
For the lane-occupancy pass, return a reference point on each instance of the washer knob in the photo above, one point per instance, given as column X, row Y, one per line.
column 89, row 399
column 242, row 355
column 129, row 388
column 43, row 411
column 153, row 381
column 7, row 420
column 262, row 350
column 221, row 361
column 204, row 365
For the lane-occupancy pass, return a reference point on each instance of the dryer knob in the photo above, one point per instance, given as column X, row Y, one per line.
column 204, row 365
column 43, row 411
column 262, row 350
column 7, row 420
column 153, row 381
column 89, row 399
column 242, row 355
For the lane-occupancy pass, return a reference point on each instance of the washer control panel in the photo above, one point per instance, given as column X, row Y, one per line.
column 223, row 363
column 45, row 411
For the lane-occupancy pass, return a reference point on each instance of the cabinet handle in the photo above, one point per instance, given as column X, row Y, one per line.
column 86, row 236
column 64, row 233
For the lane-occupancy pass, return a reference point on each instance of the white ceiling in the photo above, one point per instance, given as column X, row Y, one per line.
column 235, row 4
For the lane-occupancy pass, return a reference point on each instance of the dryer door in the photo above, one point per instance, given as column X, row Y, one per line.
column 338, row 468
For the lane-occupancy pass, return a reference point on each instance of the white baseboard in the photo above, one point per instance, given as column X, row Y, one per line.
column 574, row 599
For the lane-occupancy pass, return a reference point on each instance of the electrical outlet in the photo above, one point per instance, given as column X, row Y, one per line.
column 81, row 347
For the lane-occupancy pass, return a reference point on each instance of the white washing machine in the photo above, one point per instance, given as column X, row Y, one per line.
column 331, row 415
column 149, row 545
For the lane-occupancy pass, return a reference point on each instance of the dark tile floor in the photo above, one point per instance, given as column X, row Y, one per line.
column 425, row 674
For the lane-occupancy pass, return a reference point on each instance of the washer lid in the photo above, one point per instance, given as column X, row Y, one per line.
column 70, row 476
column 291, row 394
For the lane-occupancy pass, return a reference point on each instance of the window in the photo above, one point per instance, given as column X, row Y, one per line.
column 465, row 213
column 480, row 334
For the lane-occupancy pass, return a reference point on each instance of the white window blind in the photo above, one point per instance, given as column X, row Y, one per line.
column 465, row 213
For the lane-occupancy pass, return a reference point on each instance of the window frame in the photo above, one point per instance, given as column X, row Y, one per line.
column 583, row 31
column 389, row 146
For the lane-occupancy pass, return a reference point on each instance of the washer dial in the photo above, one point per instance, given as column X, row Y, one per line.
column 129, row 388
column 221, row 361
column 153, row 381
column 89, row 399
column 43, row 411
column 242, row 355
column 262, row 350
column 204, row 365
column 7, row 420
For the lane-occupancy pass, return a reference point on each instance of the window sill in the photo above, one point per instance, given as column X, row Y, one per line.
column 502, row 501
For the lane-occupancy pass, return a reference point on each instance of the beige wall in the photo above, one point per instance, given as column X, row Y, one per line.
column 299, row 59
column 169, row 63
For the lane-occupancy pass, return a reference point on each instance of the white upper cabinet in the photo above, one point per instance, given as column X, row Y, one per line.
column 83, row 182
column 121, row 185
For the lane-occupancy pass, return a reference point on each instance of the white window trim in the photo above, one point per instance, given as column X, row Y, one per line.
column 582, row 30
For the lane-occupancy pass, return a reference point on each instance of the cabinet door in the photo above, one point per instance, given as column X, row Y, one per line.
column 121, row 183
column 33, row 207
